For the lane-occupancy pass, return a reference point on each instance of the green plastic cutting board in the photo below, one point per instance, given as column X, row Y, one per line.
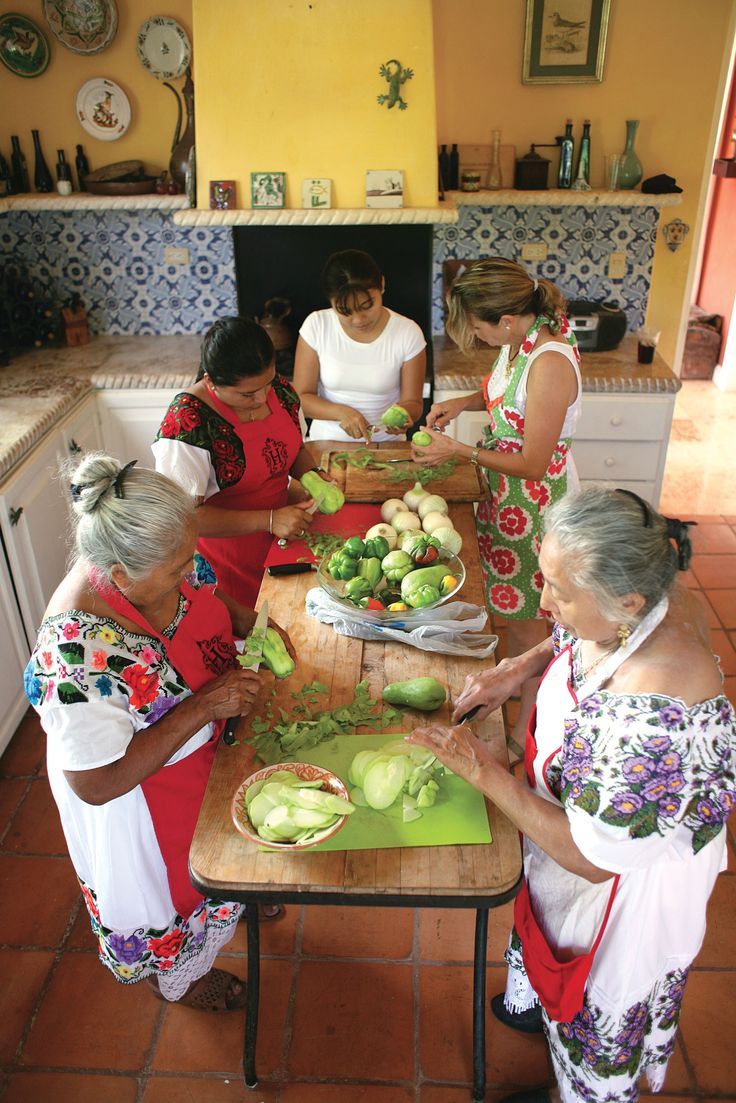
column 458, row 815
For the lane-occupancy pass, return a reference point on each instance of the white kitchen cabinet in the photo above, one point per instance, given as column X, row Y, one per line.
column 130, row 420
column 15, row 657
column 621, row 439
column 35, row 514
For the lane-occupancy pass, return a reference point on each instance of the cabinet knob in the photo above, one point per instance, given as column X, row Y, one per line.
column 74, row 448
column 610, row 461
column 15, row 515
column 616, row 419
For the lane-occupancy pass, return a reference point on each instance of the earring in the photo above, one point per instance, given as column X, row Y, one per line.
column 623, row 634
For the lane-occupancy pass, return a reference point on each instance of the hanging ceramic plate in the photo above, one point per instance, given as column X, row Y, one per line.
column 103, row 109
column 83, row 26
column 23, row 46
column 163, row 47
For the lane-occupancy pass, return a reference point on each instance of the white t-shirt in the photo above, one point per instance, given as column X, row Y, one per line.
column 364, row 376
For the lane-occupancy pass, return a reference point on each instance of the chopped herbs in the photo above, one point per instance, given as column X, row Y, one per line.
column 395, row 473
column 306, row 727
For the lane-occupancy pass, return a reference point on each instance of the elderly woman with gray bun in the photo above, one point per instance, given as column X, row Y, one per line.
column 630, row 777
column 134, row 675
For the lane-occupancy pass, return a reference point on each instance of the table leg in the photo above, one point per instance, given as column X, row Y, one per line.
column 479, row 1005
column 251, row 1007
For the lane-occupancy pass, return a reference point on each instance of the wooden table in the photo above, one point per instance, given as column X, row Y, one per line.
column 224, row 864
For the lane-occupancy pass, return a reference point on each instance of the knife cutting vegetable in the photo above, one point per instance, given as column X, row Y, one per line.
column 251, row 658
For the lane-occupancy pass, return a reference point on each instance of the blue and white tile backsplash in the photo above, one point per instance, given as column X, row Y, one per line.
column 115, row 260
column 579, row 241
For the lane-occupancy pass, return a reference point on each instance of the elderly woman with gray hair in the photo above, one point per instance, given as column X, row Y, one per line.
column 134, row 675
column 630, row 777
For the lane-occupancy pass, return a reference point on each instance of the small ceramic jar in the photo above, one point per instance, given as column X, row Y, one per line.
column 470, row 181
column 64, row 187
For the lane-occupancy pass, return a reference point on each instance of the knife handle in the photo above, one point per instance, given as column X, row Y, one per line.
column 470, row 713
column 228, row 732
column 290, row 568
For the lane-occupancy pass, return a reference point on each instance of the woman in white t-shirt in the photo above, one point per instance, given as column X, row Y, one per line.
column 358, row 358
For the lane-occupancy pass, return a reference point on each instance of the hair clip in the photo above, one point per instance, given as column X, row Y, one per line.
column 644, row 506
column 117, row 482
column 76, row 491
column 677, row 531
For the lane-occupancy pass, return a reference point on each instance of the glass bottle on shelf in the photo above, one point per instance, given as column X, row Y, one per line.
column 494, row 173
column 630, row 171
column 567, row 149
column 41, row 175
column 6, row 182
column 19, row 168
column 82, row 166
column 454, row 168
column 584, row 154
column 444, row 163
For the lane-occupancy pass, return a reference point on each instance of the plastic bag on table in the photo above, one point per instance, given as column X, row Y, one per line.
column 451, row 629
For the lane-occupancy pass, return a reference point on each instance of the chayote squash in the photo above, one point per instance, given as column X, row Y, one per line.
column 330, row 497
column 275, row 656
column 421, row 438
column 423, row 576
column 425, row 694
column 396, row 564
column 396, row 417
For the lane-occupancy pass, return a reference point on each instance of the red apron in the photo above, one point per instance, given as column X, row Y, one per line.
column 270, row 446
column 201, row 649
column 560, row 985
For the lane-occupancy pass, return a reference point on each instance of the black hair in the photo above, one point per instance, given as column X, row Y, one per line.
column 234, row 348
column 347, row 275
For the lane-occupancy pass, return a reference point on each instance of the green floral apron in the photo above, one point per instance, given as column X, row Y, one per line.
column 509, row 522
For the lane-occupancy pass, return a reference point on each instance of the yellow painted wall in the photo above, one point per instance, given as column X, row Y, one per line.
column 664, row 66
column 291, row 85
column 47, row 103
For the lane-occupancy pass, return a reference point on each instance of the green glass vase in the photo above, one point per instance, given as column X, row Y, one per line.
column 630, row 172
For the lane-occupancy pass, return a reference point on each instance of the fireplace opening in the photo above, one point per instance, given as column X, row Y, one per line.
column 284, row 263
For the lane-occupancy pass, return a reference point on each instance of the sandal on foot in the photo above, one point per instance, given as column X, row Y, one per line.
column 271, row 912
column 215, row 991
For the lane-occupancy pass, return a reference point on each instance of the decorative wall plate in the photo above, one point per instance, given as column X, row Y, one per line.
column 103, row 109
column 83, row 26
column 23, row 46
column 163, row 47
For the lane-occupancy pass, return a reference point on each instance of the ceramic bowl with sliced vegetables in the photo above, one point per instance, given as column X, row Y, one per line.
column 291, row 806
column 395, row 591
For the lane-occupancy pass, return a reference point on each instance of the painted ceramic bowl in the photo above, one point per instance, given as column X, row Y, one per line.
column 336, row 589
column 331, row 783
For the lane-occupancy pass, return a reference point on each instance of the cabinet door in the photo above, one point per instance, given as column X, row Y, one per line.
column 80, row 432
column 13, row 701
column 130, row 420
column 35, row 529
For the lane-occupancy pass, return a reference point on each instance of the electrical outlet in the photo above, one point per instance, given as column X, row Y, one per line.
column 176, row 254
column 534, row 250
column 616, row 266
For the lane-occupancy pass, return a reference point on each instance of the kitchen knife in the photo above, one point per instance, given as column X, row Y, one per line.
column 470, row 713
column 312, row 509
column 250, row 658
column 291, row 568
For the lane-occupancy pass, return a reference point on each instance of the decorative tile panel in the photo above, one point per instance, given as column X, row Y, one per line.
column 579, row 242
column 114, row 259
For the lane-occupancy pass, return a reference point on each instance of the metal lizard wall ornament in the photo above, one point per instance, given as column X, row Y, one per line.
column 396, row 76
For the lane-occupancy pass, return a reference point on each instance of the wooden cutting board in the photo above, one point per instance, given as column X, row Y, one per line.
column 369, row 484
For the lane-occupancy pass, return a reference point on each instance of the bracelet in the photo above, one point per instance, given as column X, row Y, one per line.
column 270, row 522
column 474, row 457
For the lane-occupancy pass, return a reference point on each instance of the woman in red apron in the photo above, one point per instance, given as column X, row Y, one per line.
column 234, row 441
column 133, row 676
column 630, row 777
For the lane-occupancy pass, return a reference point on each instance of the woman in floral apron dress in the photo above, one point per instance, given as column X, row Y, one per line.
column 630, row 778
column 533, row 399
column 134, row 675
column 233, row 441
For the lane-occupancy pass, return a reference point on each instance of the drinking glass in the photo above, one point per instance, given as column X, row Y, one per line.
column 612, row 169
column 646, row 344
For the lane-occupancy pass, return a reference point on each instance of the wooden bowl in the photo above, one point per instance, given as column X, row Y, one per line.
column 117, row 187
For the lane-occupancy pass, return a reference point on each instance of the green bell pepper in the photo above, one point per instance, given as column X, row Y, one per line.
column 370, row 569
column 423, row 595
column 342, row 566
column 354, row 547
column 358, row 588
column 377, row 547
column 396, row 564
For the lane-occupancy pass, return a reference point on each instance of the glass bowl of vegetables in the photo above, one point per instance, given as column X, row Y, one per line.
column 290, row 806
column 393, row 589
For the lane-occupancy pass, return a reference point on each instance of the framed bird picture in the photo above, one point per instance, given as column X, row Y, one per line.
column 565, row 41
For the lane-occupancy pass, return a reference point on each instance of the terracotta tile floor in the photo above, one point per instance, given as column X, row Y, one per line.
column 359, row 1005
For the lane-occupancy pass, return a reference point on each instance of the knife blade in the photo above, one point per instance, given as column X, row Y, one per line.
column 251, row 659
column 470, row 713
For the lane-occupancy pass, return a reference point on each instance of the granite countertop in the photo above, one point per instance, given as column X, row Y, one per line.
column 39, row 387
